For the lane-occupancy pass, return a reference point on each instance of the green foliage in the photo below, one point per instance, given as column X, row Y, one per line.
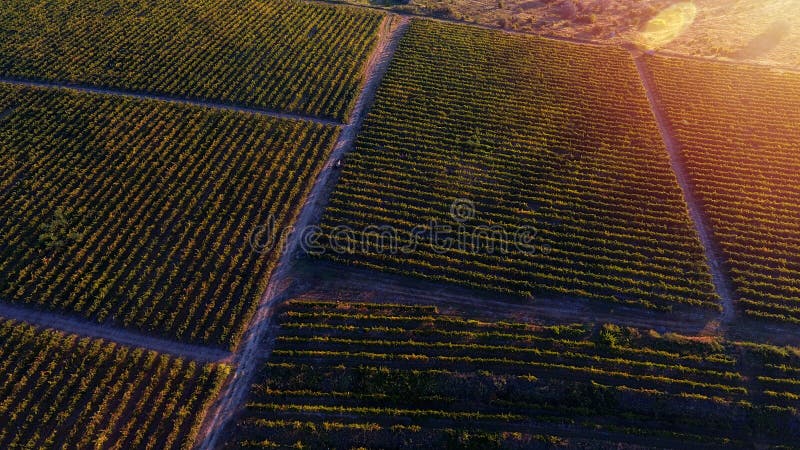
column 154, row 207
column 61, row 230
column 535, row 133
column 389, row 375
column 610, row 335
column 62, row 388
column 574, row 331
column 739, row 134
column 280, row 54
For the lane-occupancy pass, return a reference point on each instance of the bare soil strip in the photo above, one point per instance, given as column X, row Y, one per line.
column 81, row 327
column 721, row 278
column 256, row 344
column 169, row 99
column 330, row 281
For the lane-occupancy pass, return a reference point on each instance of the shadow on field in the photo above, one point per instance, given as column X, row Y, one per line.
column 765, row 42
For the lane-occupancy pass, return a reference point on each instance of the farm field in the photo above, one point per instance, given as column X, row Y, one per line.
column 739, row 135
column 61, row 390
column 597, row 20
column 392, row 375
column 277, row 54
column 139, row 214
column 758, row 31
column 323, row 224
column 492, row 135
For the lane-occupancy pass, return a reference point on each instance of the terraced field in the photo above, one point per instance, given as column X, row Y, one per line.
column 140, row 214
column 281, row 54
column 352, row 375
column 64, row 391
column 739, row 130
column 542, row 157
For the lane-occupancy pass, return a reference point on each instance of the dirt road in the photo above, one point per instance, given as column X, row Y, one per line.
column 256, row 343
column 716, row 262
column 82, row 327
column 167, row 99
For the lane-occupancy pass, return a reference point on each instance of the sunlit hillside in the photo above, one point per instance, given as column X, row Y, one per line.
column 766, row 31
column 749, row 30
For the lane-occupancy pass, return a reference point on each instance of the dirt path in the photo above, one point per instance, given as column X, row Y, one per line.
column 168, row 99
column 256, row 344
column 467, row 23
column 775, row 66
column 330, row 281
column 73, row 325
column 716, row 262
column 325, row 280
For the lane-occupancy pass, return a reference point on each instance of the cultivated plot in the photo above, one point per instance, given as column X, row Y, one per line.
column 142, row 214
column 281, row 54
column 739, row 132
column 63, row 390
column 346, row 375
column 518, row 164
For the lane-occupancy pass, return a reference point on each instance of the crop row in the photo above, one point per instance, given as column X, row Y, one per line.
column 280, row 54
column 523, row 134
column 338, row 377
column 59, row 391
column 739, row 130
column 147, row 215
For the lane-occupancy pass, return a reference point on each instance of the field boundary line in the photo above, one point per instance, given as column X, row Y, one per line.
column 112, row 334
column 624, row 44
column 453, row 21
column 340, row 281
column 168, row 99
column 772, row 66
column 256, row 343
column 716, row 263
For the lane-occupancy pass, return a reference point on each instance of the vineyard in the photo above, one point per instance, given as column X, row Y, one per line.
column 64, row 391
column 141, row 214
column 186, row 186
column 532, row 133
column 349, row 375
column 739, row 136
column 278, row 54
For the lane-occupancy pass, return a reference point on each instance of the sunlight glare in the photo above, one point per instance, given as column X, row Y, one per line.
column 667, row 26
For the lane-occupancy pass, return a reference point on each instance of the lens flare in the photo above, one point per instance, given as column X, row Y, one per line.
column 667, row 26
